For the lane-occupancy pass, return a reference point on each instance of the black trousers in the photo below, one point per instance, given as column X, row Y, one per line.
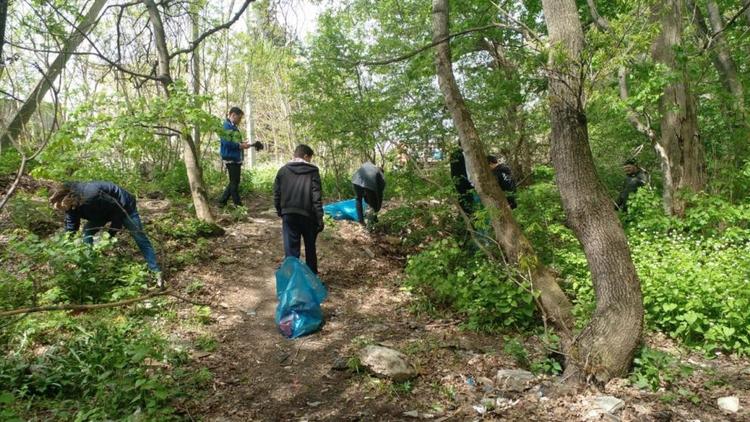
column 293, row 227
column 370, row 197
column 233, row 188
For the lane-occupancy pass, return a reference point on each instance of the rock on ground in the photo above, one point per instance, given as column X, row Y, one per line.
column 388, row 363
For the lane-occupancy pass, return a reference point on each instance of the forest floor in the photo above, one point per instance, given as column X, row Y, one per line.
column 260, row 375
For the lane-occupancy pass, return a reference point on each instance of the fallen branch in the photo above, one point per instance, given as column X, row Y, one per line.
column 73, row 307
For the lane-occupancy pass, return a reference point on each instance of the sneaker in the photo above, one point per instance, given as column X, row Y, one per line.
column 159, row 279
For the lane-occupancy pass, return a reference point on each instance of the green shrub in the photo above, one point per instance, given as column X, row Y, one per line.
column 64, row 269
column 95, row 368
column 32, row 213
column 481, row 290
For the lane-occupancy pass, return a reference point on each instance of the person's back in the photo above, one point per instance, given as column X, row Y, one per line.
column 369, row 183
column 369, row 176
column 99, row 200
column 297, row 197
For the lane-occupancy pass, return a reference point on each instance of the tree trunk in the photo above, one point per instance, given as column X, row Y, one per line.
column 189, row 151
column 196, row 79
column 605, row 347
column 720, row 55
column 679, row 146
column 22, row 116
column 3, row 19
column 515, row 246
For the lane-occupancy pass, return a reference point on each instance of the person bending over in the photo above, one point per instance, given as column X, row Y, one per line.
column 369, row 184
column 100, row 203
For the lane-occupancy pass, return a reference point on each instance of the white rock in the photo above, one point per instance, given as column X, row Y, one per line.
column 730, row 404
column 608, row 404
column 513, row 379
column 386, row 362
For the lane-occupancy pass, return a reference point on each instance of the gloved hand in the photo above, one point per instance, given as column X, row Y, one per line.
column 258, row 145
column 321, row 226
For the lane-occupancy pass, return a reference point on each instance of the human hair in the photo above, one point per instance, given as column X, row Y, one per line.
column 491, row 159
column 303, row 150
column 64, row 197
column 236, row 110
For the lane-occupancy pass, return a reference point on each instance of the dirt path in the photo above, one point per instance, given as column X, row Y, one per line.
column 260, row 375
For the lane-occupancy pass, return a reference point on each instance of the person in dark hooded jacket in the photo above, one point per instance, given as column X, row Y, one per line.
column 635, row 177
column 100, row 203
column 298, row 200
column 504, row 178
column 460, row 177
column 369, row 184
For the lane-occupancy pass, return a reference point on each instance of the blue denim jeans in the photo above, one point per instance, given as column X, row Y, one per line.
column 133, row 223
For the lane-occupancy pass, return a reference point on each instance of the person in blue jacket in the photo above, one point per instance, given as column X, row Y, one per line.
column 233, row 154
column 100, row 203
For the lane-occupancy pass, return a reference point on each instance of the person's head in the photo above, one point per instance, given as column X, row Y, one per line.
column 304, row 152
column 630, row 166
column 492, row 161
column 63, row 198
column 235, row 115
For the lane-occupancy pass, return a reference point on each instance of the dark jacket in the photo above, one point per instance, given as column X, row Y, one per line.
column 230, row 143
column 458, row 172
column 101, row 202
column 297, row 190
column 631, row 184
column 370, row 177
column 507, row 184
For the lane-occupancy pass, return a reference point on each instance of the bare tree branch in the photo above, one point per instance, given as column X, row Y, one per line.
column 196, row 42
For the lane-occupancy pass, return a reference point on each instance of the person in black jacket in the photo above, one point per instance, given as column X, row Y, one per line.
column 635, row 177
column 100, row 203
column 298, row 201
column 369, row 184
column 461, row 181
column 504, row 179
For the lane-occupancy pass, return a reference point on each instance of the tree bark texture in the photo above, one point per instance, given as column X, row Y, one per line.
column 195, row 63
column 189, row 150
column 679, row 146
column 515, row 246
column 22, row 116
column 720, row 55
column 605, row 347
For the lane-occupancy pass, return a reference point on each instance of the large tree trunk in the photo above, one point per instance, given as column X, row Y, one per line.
column 515, row 246
column 189, row 151
column 22, row 116
column 605, row 347
column 679, row 147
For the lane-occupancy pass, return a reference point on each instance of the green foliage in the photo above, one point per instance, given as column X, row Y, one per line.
column 63, row 269
column 29, row 212
column 654, row 369
column 481, row 290
column 102, row 367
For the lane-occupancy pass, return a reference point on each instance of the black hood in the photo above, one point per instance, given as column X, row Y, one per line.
column 301, row 167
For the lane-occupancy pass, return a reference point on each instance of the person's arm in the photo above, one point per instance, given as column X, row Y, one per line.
column 317, row 199
column 277, row 193
column 72, row 221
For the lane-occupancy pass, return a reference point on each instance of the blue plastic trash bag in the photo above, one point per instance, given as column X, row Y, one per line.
column 344, row 210
column 300, row 293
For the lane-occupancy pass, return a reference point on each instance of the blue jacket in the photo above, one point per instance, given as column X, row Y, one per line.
column 230, row 146
column 101, row 202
